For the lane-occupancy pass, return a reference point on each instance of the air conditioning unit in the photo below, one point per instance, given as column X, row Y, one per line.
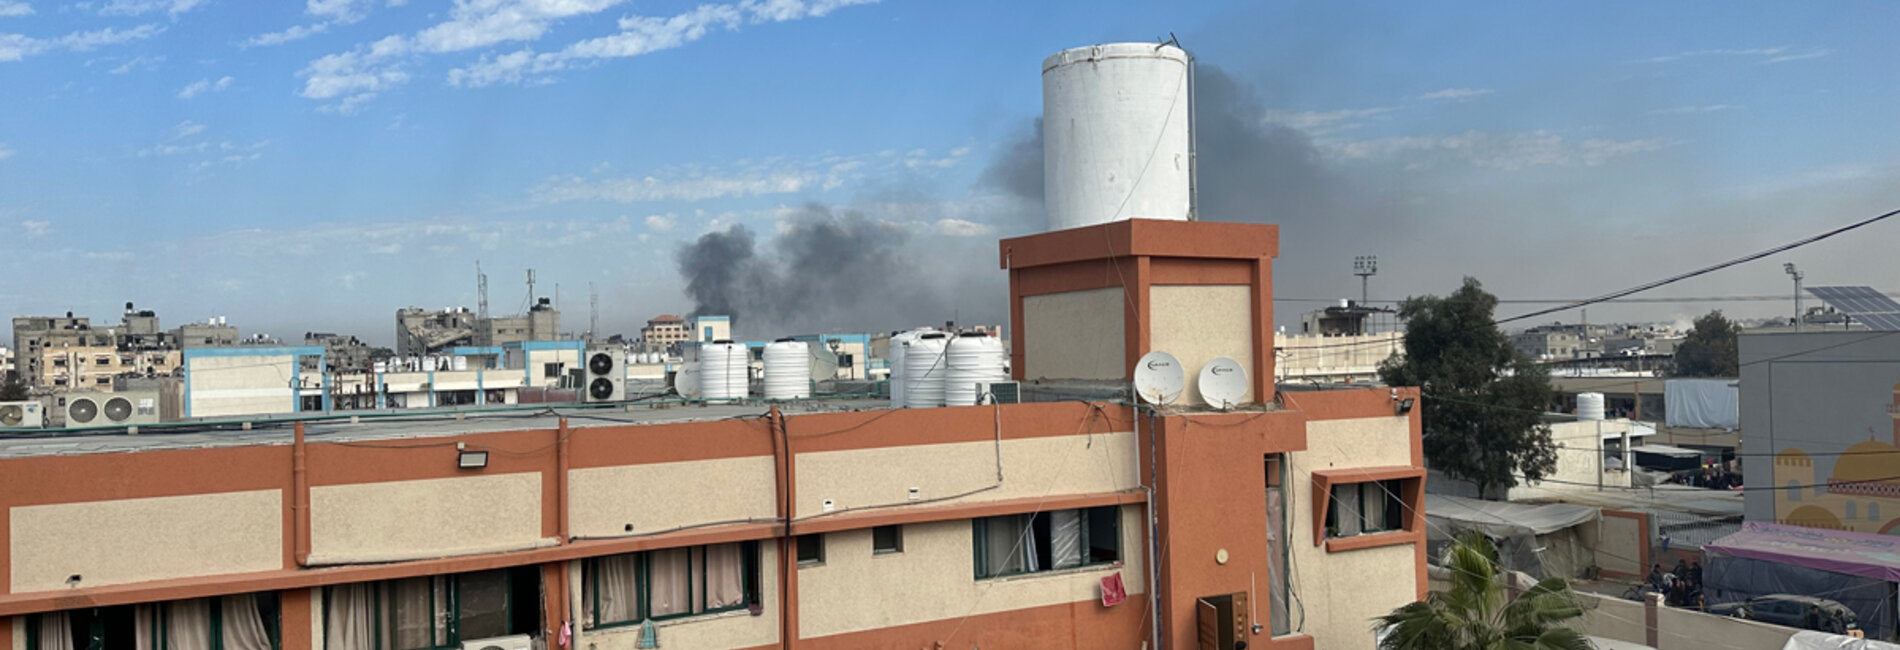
column 606, row 375
column 22, row 415
column 999, row 392
column 112, row 409
column 516, row 642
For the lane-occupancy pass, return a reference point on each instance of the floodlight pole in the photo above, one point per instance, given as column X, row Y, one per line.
column 1795, row 273
column 1365, row 266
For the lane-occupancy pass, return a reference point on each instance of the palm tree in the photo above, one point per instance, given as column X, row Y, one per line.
column 1479, row 612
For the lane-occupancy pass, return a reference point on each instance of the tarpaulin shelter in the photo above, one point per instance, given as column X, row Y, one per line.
column 1859, row 570
column 1543, row 540
column 1702, row 403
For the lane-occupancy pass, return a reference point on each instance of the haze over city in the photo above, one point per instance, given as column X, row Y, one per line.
column 847, row 166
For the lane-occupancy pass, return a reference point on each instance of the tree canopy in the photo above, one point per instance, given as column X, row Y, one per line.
column 1478, row 612
column 1711, row 349
column 13, row 390
column 1483, row 400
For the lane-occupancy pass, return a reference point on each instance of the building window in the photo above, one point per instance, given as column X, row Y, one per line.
column 1873, row 511
column 670, row 583
column 551, row 370
column 811, row 549
column 1852, row 510
column 1361, row 508
column 887, row 539
column 432, row 611
column 240, row 622
column 1276, row 546
column 1794, row 490
column 1046, row 541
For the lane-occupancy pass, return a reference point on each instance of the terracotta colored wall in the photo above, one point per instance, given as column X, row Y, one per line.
column 1083, row 625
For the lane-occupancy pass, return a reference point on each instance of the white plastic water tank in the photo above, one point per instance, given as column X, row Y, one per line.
column 787, row 370
column 725, row 369
column 895, row 358
column 973, row 358
column 1589, row 407
column 1116, row 137
column 924, row 370
column 459, row 363
column 380, row 366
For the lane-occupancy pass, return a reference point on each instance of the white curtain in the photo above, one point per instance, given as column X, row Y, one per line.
column 188, row 624
column 417, row 611
column 347, row 622
column 1065, row 539
column 243, row 624
column 619, row 588
column 1276, row 561
column 56, row 631
column 1005, row 538
column 725, row 575
column 143, row 617
column 1346, row 505
column 669, row 581
column 1374, row 500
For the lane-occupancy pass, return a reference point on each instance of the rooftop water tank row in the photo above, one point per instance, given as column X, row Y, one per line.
column 973, row 358
column 725, row 371
column 787, row 370
column 924, row 370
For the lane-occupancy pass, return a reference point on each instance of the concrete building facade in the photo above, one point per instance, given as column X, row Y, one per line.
column 94, row 367
column 662, row 333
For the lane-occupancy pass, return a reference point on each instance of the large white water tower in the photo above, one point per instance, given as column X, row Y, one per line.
column 1116, row 136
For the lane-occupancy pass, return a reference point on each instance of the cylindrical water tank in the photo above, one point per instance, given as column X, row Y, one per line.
column 973, row 358
column 459, row 363
column 895, row 358
column 1116, row 137
column 380, row 366
column 924, row 370
column 1589, row 407
column 725, row 368
column 787, row 370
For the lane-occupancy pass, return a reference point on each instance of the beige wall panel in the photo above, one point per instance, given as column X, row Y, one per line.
column 934, row 579
column 1032, row 467
column 222, row 386
column 712, row 632
column 1343, row 591
column 659, row 496
column 398, row 520
column 1198, row 324
column 1076, row 335
column 1622, row 541
column 138, row 540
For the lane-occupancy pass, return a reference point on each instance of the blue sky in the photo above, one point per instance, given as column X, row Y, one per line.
column 316, row 166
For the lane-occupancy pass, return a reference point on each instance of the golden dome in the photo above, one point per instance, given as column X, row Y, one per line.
column 1868, row 461
column 1814, row 517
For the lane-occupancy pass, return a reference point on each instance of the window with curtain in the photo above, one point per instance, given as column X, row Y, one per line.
column 669, row 583
column 238, row 622
column 425, row 613
column 1361, row 508
column 1046, row 541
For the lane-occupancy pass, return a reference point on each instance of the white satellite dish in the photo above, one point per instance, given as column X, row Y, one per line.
column 1158, row 378
column 686, row 380
column 1223, row 382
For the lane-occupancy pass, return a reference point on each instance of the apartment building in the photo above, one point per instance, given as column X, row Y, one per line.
column 94, row 367
column 663, row 332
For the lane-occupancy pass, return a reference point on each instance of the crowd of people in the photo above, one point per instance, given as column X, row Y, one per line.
column 1681, row 586
column 1714, row 477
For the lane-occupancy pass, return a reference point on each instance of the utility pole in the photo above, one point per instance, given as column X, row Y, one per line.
column 531, row 289
column 1365, row 266
column 481, row 292
column 593, row 312
column 1796, row 274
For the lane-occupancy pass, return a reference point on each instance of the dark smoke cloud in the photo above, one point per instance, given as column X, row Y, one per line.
column 825, row 270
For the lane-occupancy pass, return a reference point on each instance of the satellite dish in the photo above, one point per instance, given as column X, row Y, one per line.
column 824, row 361
column 1223, row 382
column 1158, row 378
column 686, row 381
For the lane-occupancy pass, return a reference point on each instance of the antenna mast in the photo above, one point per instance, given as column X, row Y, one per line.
column 530, row 288
column 593, row 312
column 481, row 291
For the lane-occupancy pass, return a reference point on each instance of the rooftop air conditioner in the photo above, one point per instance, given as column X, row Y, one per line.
column 516, row 642
column 606, row 375
column 112, row 409
column 999, row 392
column 22, row 415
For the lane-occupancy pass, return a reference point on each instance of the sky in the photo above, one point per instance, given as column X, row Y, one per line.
column 316, row 166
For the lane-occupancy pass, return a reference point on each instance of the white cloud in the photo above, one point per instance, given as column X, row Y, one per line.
column 146, row 62
column 1455, row 94
column 355, row 76
column 328, row 12
column 295, row 33
column 36, row 229
column 481, row 23
column 11, row 8
column 5, row 151
column 186, row 129
column 1324, row 121
column 744, row 178
column 963, row 228
column 386, row 249
column 634, row 190
column 14, row 47
column 201, row 86
column 1503, row 151
column 1692, row 110
column 662, row 222
column 1778, row 54
column 142, row 7
column 641, row 35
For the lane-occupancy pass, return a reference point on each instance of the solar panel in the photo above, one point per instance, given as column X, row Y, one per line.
column 1872, row 308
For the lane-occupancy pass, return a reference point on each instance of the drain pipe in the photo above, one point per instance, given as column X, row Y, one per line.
column 299, row 498
column 1154, row 525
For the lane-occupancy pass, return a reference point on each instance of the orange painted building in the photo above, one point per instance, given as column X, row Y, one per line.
column 824, row 524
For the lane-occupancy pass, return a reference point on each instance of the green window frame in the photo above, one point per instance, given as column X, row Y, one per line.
column 1100, row 541
column 696, row 571
column 1373, row 506
column 450, row 633
column 161, row 621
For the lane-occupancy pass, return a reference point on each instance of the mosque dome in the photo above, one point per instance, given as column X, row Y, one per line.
column 1870, row 461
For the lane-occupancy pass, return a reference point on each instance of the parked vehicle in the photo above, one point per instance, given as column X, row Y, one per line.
column 1805, row 612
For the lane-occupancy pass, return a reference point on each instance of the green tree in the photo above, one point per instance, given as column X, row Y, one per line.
column 1483, row 400
column 1710, row 350
column 1478, row 613
column 13, row 390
